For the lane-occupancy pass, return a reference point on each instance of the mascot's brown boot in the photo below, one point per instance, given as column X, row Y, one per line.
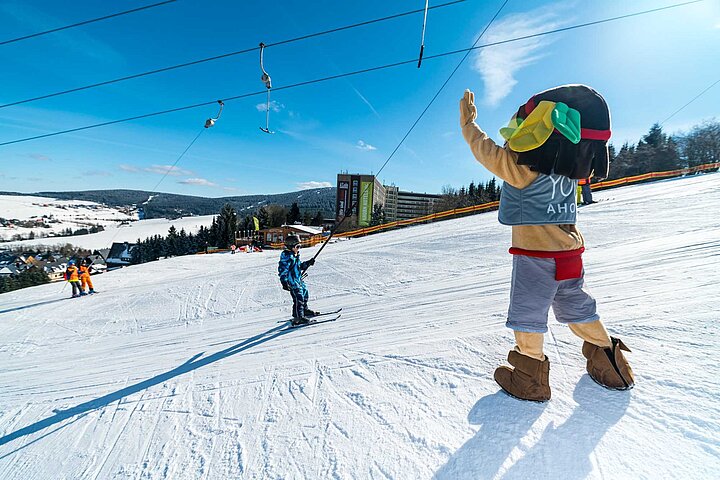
column 608, row 366
column 606, row 363
column 529, row 380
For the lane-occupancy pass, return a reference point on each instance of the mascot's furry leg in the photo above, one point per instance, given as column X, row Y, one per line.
column 606, row 363
column 529, row 380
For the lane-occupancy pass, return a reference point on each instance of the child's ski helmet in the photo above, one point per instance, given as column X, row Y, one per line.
column 291, row 240
column 71, row 262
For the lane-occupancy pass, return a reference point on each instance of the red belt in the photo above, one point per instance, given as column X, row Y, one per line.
column 568, row 263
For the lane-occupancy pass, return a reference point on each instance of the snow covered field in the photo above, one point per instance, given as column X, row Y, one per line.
column 56, row 214
column 179, row 368
column 77, row 214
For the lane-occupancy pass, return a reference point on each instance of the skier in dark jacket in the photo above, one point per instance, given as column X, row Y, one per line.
column 290, row 270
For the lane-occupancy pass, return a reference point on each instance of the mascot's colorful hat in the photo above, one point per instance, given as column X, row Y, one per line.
column 563, row 130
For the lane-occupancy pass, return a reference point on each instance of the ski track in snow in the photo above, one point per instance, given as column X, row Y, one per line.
column 179, row 369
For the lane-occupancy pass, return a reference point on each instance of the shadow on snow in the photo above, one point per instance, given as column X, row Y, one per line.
column 193, row 363
column 561, row 451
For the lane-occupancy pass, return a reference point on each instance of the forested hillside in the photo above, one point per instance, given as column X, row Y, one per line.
column 171, row 205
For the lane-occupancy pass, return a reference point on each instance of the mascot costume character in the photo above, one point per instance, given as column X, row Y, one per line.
column 555, row 138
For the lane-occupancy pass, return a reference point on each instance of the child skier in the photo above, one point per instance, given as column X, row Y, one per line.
column 72, row 276
column 85, row 276
column 558, row 136
column 290, row 270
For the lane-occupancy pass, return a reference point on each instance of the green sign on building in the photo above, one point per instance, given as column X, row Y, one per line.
column 365, row 204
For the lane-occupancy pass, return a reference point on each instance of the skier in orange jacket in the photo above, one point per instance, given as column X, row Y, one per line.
column 85, row 277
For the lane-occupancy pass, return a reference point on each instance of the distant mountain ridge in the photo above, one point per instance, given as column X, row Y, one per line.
column 173, row 205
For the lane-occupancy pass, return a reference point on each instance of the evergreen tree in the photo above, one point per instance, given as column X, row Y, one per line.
column 493, row 190
column 214, row 233
column 227, row 226
column 378, row 215
column 277, row 215
column 293, row 215
column 317, row 220
column 263, row 217
column 172, row 242
column 307, row 218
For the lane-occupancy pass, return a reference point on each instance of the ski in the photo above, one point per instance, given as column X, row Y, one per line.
column 315, row 322
column 321, row 314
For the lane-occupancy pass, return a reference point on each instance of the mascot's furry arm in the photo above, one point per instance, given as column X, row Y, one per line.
column 500, row 161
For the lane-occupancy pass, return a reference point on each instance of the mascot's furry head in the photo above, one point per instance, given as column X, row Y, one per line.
column 563, row 130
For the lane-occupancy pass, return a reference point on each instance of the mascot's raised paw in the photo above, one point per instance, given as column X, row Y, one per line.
column 468, row 110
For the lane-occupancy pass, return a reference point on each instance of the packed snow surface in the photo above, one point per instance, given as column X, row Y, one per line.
column 180, row 369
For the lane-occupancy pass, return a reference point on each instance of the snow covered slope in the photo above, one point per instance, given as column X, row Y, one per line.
column 180, row 369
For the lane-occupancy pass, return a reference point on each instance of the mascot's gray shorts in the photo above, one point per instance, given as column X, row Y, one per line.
column 534, row 289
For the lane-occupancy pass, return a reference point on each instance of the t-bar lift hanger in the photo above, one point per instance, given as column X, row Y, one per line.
column 422, row 37
column 211, row 121
column 268, row 84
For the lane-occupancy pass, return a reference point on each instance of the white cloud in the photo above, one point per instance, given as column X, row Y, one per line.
column 40, row 156
column 498, row 65
column 168, row 169
column 309, row 185
column 198, row 181
column 274, row 106
column 128, row 168
column 364, row 146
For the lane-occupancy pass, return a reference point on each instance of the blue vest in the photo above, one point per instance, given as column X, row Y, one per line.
column 549, row 200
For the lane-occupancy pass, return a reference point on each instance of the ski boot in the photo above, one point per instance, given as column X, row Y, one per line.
column 311, row 313
column 300, row 321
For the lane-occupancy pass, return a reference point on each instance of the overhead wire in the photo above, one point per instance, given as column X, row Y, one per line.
column 221, row 56
column 85, row 22
column 172, row 167
column 347, row 74
column 691, row 101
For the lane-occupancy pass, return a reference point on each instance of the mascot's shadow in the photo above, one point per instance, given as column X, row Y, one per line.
column 563, row 451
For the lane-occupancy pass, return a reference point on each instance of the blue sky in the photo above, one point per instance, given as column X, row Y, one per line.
column 646, row 67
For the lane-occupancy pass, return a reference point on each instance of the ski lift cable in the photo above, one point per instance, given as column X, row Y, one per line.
column 412, row 127
column 691, row 101
column 342, row 75
column 85, row 22
column 219, row 57
column 179, row 158
column 208, row 123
